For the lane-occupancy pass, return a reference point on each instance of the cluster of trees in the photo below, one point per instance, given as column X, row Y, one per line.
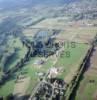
column 44, row 44
column 8, row 30
column 43, row 48
column 6, row 55
column 6, row 75
column 35, row 22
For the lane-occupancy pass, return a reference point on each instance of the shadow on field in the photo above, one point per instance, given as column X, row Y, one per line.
column 25, row 97
column 14, row 97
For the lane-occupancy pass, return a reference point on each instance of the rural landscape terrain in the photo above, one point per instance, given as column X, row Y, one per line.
column 48, row 49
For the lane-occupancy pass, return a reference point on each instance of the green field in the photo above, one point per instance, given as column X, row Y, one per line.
column 71, row 63
column 67, row 63
column 19, row 54
column 87, row 89
column 8, row 87
column 31, row 70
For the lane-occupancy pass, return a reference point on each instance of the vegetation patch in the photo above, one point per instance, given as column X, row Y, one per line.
column 71, row 59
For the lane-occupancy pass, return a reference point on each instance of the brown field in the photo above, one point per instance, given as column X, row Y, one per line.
column 30, row 32
column 71, row 31
column 79, row 35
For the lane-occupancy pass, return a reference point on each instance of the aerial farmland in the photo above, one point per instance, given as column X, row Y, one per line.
column 48, row 52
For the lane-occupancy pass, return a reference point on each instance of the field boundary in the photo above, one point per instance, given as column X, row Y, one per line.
column 76, row 79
